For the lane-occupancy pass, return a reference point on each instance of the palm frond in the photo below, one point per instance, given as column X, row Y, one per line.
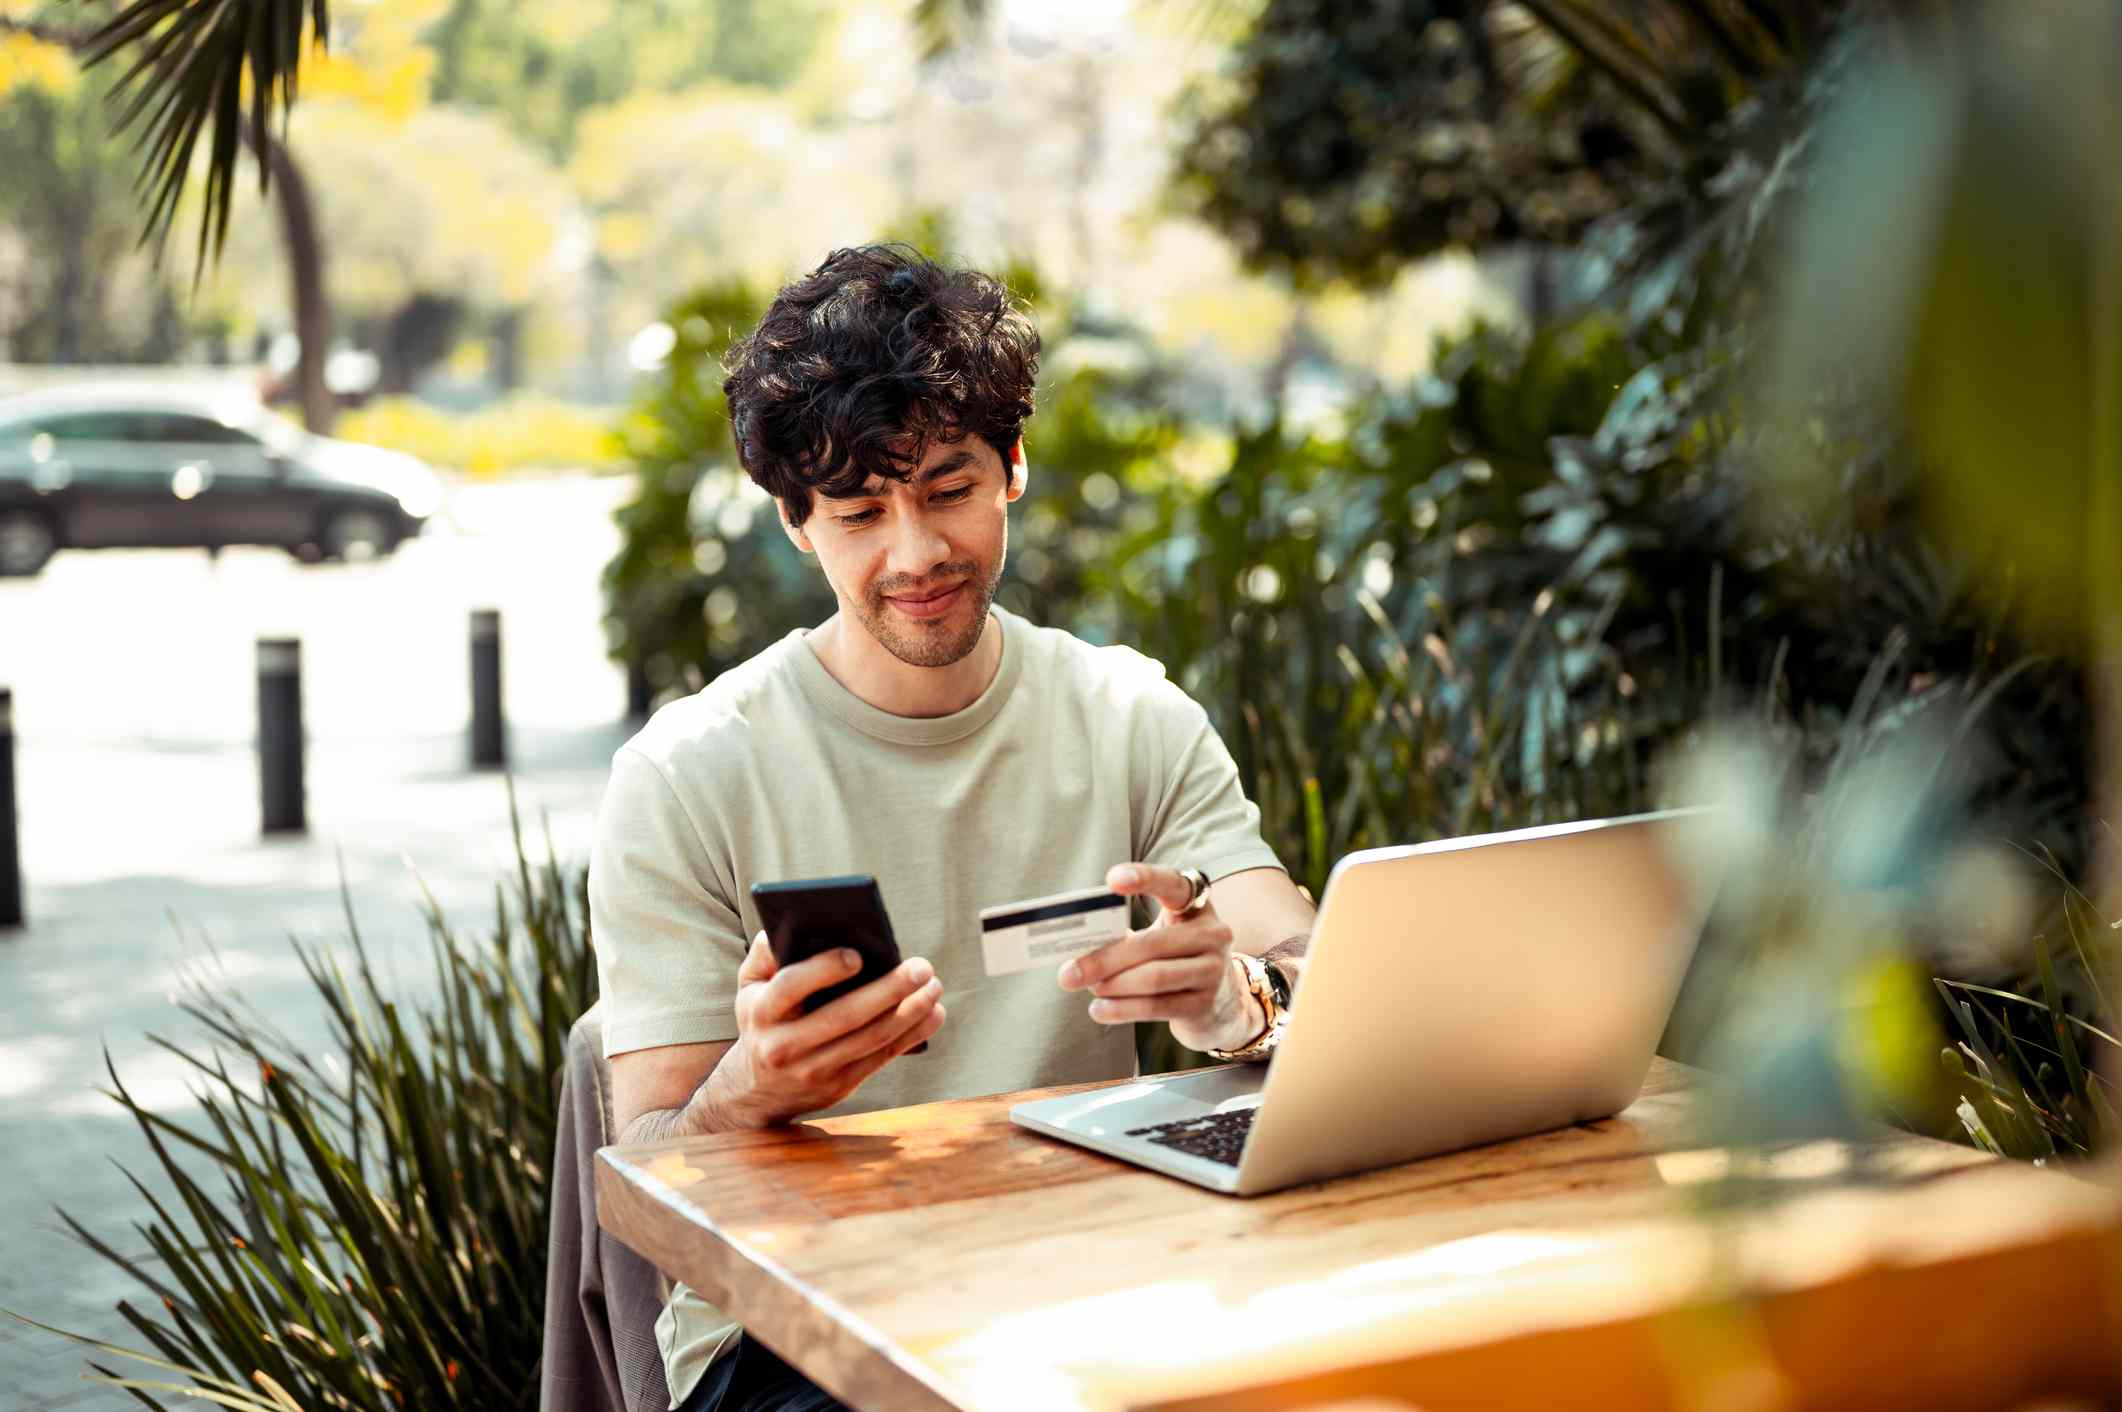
column 191, row 61
column 1612, row 51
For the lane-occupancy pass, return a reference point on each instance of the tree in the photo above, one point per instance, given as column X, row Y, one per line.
column 546, row 64
column 71, row 290
column 694, row 186
column 1355, row 136
column 188, row 79
column 439, row 218
column 204, row 80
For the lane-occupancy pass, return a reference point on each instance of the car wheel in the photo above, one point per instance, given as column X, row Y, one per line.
column 358, row 535
column 26, row 541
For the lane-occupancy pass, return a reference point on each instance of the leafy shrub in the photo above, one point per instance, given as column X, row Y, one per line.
column 1121, row 537
column 1352, row 613
column 1491, row 602
column 686, row 491
column 381, row 1241
column 1859, row 891
column 1681, row 488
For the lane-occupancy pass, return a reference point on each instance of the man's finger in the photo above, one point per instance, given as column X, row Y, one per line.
column 1167, row 886
column 1195, row 936
column 858, row 1007
column 1179, row 1005
column 787, row 991
column 1162, row 977
column 857, row 1074
column 885, row 1030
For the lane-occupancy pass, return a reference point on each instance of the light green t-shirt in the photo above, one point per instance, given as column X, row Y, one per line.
column 1073, row 759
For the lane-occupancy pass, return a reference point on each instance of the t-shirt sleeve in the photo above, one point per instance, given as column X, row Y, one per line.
column 668, row 938
column 1202, row 818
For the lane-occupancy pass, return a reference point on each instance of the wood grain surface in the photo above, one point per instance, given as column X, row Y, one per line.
column 941, row 1257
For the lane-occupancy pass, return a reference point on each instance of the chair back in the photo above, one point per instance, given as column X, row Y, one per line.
column 601, row 1299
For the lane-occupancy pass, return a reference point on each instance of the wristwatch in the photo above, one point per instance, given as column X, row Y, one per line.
column 1271, row 988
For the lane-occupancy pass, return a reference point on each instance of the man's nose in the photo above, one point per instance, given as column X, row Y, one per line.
column 916, row 546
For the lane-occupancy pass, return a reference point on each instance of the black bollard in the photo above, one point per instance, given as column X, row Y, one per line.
column 489, row 746
column 280, row 734
column 10, row 837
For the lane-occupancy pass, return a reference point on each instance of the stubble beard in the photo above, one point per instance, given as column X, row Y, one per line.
column 934, row 644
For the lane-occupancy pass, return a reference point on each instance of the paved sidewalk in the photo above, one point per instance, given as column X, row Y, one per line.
column 134, row 691
column 101, row 961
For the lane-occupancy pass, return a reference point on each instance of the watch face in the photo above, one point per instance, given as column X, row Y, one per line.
column 1280, row 982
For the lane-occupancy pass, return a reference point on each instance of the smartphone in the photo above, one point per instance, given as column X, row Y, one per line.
column 805, row 916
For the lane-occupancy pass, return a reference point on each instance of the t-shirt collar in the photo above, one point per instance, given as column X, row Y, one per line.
column 824, row 691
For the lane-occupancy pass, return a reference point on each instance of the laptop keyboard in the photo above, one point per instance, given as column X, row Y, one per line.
column 1219, row 1137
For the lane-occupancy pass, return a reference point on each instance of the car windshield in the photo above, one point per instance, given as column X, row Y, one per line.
column 220, row 423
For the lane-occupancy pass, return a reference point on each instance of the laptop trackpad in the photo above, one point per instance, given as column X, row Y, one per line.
column 1218, row 1088
column 1175, row 1099
column 1124, row 1107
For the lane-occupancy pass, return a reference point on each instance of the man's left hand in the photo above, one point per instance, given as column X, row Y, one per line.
column 1177, row 969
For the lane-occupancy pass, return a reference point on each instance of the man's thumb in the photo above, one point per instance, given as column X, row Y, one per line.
column 758, row 961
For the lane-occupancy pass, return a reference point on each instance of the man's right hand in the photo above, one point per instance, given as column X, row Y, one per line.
column 786, row 1063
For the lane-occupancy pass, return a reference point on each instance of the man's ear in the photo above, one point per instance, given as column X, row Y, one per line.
column 1019, row 471
column 794, row 531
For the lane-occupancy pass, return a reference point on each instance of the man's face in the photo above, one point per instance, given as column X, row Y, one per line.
column 917, row 563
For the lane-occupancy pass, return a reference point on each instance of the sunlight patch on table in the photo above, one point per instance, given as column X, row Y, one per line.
column 1163, row 1336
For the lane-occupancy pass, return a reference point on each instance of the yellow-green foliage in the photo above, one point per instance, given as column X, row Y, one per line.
column 524, row 433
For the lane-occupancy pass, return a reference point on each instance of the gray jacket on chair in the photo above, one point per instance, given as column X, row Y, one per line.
column 601, row 1299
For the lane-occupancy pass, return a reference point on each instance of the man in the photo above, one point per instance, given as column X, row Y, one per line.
column 956, row 752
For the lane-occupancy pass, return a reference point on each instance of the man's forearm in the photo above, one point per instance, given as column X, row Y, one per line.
column 707, row 1111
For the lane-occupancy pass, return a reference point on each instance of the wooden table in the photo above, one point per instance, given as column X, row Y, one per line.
column 940, row 1258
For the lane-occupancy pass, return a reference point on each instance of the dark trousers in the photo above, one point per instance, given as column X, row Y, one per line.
column 754, row 1379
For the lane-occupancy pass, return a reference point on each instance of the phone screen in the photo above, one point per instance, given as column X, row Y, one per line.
column 809, row 915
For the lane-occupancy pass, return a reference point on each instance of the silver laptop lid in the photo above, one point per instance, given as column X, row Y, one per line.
column 1474, row 989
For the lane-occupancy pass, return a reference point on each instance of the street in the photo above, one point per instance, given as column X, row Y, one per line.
column 135, row 686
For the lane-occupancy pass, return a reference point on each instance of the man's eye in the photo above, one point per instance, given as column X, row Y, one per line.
column 858, row 519
column 952, row 497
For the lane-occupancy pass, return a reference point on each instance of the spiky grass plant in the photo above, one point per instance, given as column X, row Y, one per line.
column 371, row 1229
column 2031, row 1074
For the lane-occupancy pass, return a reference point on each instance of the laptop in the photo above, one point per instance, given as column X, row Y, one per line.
column 1455, row 993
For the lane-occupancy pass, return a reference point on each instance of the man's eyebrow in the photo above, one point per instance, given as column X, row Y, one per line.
column 956, row 461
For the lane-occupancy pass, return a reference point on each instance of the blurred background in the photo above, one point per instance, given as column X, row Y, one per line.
column 1493, row 413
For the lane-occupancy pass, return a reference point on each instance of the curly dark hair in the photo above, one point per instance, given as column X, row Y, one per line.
column 863, row 363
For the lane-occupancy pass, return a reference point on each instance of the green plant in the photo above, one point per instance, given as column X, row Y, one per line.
column 1349, row 138
column 1865, row 909
column 1370, row 687
column 1365, row 738
column 681, row 530
column 2028, row 1071
column 380, row 1239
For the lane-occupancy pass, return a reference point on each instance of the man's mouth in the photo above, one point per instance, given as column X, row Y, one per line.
column 926, row 605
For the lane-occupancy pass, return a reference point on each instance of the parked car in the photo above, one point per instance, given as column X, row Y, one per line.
column 101, row 467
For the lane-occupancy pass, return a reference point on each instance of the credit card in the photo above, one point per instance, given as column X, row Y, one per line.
column 1017, row 936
